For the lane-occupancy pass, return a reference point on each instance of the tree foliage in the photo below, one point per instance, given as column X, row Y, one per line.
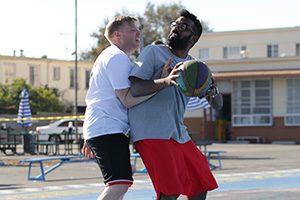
column 40, row 99
column 155, row 26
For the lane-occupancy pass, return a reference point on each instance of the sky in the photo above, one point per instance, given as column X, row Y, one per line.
column 47, row 27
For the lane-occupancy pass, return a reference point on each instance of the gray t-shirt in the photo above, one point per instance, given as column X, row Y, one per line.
column 160, row 117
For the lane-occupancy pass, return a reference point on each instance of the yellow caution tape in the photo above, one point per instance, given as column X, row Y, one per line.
column 41, row 118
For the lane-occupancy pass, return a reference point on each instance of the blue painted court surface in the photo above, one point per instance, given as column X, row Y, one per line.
column 143, row 190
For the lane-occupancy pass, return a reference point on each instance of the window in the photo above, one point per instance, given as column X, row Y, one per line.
column 203, row 54
column 87, row 78
column 292, row 117
column 9, row 72
column 56, row 73
column 34, row 78
column 252, row 103
column 297, row 49
column 233, row 52
column 72, row 78
column 272, row 51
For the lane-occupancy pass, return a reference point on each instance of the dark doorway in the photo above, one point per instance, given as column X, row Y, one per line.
column 223, row 117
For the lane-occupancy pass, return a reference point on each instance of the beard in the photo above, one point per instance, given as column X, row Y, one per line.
column 178, row 43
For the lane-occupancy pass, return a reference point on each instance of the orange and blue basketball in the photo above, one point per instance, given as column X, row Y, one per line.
column 195, row 78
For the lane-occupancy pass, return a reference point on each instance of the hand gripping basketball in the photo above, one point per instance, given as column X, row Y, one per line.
column 195, row 78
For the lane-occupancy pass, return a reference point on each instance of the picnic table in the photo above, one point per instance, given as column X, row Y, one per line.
column 202, row 143
column 27, row 138
column 9, row 145
column 208, row 153
column 53, row 145
column 32, row 144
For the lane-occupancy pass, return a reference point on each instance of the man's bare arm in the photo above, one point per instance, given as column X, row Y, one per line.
column 213, row 97
column 128, row 100
column 141, row 87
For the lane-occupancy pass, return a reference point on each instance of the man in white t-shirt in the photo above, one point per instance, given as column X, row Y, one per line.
column 108, row 97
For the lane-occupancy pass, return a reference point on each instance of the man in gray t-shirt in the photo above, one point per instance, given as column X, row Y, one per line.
column 174, row 163
column 167, row 102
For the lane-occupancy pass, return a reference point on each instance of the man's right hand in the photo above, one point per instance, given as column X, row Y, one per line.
column 87, row 151
column 169, row 75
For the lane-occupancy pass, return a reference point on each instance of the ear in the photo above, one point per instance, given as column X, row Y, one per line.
column 194, row 38
column 117, row 34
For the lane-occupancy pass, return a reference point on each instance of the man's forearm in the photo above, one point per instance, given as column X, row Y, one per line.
column 216, row 102
column 146, row 87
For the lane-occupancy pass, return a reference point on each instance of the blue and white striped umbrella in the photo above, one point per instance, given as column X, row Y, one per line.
column 196, row 103
column 24, row 110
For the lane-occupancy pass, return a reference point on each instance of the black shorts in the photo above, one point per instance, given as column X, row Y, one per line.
column 113, row 157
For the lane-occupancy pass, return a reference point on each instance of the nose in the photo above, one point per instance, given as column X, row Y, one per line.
column 175, row 29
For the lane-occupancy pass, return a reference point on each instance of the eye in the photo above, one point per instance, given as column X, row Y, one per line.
column 182, row 27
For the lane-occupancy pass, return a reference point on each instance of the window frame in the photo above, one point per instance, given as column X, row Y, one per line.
column 87, row 78
column 56, row 73
column 228, row 52
column 34, row 79
column 9, row 72
column 203, row 53
column 292, row 102
column 72, row 77
column 272, row 50
column 297, row 53
column 251, row 104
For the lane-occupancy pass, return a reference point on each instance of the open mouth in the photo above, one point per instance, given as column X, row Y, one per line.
column 174, row 35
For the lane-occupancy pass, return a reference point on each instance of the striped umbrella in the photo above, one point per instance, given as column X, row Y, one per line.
column 24, row 110
column 196, row 103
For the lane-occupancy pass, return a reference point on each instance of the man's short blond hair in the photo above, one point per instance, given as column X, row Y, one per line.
column 116, row 23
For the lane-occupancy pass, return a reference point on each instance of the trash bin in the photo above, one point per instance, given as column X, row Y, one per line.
column 29, row 143
column 32, row 143
column 26, row 143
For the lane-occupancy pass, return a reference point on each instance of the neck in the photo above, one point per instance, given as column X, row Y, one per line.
column 126, row 51
column 179, row 53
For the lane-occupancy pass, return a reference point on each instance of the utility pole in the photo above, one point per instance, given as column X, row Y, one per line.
column 141, row 30
column 76, row 83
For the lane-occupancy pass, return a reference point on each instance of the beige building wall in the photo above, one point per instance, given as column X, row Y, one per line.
column 45, row 75
column 279, row 97
column 255, row 41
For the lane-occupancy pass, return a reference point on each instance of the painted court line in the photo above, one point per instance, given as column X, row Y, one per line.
column 258, row 173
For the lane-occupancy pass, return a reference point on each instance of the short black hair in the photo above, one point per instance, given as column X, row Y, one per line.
column 198, row 26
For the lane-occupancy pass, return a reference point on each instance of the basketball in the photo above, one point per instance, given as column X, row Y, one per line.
column 195, row 78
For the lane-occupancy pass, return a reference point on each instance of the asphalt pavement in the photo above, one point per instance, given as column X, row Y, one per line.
column 249, row 171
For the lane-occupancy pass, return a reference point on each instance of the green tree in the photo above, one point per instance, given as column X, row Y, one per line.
column 10, row 95
column 43, row 99
column 40, row 99
column 155, row 21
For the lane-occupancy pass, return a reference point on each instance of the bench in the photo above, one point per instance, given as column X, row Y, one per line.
column 208, row 155
column 201, row 143
column 9, row 145
column 257, row 138
column 43, row 146
column 63, row 160
column 136, row 156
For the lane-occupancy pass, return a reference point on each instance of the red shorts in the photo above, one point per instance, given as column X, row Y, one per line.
column 176, row 168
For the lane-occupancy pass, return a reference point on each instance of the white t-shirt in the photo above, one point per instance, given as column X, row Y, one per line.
column 105, row 114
